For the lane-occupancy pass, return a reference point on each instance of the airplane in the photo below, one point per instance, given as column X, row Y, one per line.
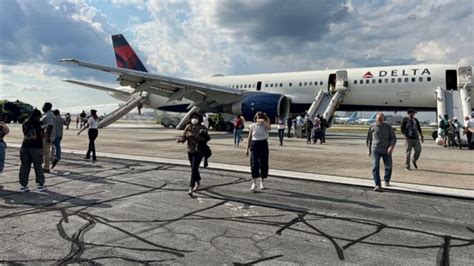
column 385, row 88
column 352, row 119
column 367, row 121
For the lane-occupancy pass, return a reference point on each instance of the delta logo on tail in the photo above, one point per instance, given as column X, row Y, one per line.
column 368, row 75
column 124, row 54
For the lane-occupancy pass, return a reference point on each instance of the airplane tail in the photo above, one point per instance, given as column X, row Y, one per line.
column 124, row 54
column 353, row 116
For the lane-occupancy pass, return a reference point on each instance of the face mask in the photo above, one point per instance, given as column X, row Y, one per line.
column 194, row 121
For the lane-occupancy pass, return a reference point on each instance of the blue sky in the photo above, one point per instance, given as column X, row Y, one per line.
column 200, row 38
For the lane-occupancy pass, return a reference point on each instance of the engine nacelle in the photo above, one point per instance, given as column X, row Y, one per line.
column 252, row 102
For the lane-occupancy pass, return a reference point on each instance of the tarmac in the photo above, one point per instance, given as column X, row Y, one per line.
column 123, row 212
column 318, row 206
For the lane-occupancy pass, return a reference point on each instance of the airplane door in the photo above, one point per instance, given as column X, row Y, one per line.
column 451, row 79
column 259, row 86
column 342, row 81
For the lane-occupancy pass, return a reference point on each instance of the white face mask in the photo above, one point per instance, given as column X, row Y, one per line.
column 194, row 121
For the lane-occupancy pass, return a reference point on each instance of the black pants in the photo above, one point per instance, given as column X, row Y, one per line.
column 30, row 156
column 195, row 160
column 259, row 158
column 289, row 131
column 92, row 133
column 469, row 139
column 323, row 139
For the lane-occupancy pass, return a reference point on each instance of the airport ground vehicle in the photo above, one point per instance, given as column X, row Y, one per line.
column 16, row 111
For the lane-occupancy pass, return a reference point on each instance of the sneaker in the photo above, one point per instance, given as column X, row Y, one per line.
column 41, row 187
column 377, row 189
column 253, row 187
column 387, row 183
column 261, row 186
column 206, row 164
column 55, row 161
column 24, row 189
column 196, row 187
column 190, row 192
column 414, row 164
column 407, row 168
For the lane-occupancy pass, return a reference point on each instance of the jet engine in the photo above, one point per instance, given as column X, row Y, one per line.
column 252, row 102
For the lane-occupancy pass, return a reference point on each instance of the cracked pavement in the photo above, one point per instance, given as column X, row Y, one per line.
column 126, row 212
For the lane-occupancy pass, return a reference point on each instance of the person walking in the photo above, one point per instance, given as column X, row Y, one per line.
column 48, row 124
column 381, row 141
column 93, row 132
column 324, row 126
column 82, row 119
column 316, row 132
column 59, row 123
column 411, row 130
column 309, row 130
column 196, row 136
column 469, row 130
column 443, row 129
column 4, row 130
column 289, row 124
column 68, row 120
column 457, row 132
column 281, row 128
column 299, row 126
column 31, row 151
column 451, row 133
column 258, row 148
column 238, row 127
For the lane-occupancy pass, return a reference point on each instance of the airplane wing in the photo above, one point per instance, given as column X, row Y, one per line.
column 123, row 91
column 202, row 94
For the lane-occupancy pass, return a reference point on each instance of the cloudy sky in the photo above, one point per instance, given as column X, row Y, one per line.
column 199, row 38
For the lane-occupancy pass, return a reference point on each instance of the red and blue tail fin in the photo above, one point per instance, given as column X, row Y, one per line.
column 126, row 57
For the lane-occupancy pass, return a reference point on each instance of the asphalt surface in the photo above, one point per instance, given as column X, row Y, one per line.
column 344, row 154
column 125, row 212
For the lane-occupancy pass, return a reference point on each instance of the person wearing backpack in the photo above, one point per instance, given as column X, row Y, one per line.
column 316, row 131
column 443, row 126
column 411, row 129
column 31, row 151
column 238, row 127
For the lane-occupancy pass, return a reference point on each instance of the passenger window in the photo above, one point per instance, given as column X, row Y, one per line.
column 420, row 79
column 301, row 84
column 399, row 79
column 291, row 84
column 361, row 81
column 428, row 79
column 355, row 81
column 266, row 85
column 407, row 79
column 380, row 80
column 315, row 83
column 386, row 80
column 321, row 83
column 310, row 83
column 281, row 84
column 271, row 85
column 367, row 81
column 393, row 80
column 374, row 81
column 413, row 79
column 306, row 83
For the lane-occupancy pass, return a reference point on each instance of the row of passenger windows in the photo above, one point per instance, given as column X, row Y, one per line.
column 276, row 85
column 392, row 80
column 315, row 83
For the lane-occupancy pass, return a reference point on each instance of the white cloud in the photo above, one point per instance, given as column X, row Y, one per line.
column 432, row 52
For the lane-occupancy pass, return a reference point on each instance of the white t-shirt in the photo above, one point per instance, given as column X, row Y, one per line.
column 469, row 124
column 281, row 123
column 93, row 124
column 259, row 131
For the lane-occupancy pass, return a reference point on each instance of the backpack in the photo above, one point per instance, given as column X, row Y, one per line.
column 411, row 129
column 238, row 123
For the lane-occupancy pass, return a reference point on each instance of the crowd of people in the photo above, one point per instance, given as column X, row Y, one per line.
column 41, row 145
column 43, row 133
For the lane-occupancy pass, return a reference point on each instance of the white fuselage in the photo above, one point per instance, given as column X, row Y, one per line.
column 372, row 88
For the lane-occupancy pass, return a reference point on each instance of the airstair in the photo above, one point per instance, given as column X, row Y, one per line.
column 326, row 103
column 123, row 110
column 456, row 103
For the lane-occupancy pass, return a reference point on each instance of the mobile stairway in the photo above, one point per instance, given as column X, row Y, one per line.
column 326, row 103
column 134, row 102
column 456, row 102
